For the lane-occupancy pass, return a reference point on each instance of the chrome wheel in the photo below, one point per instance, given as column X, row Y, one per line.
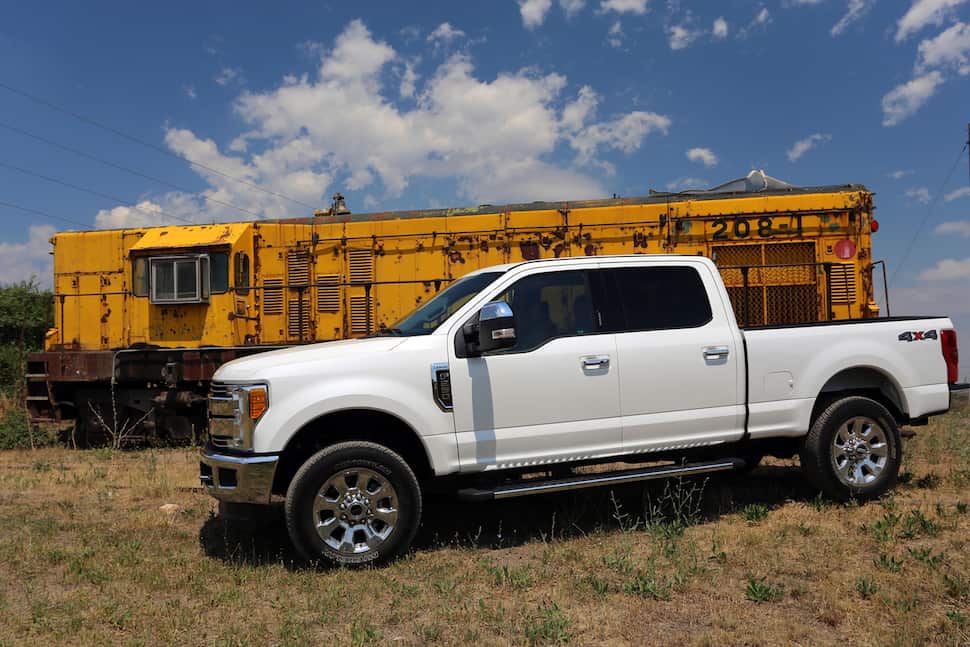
column 355, row 511
column 860, row 451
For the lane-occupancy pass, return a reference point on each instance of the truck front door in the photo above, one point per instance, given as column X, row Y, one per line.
column 553, row 396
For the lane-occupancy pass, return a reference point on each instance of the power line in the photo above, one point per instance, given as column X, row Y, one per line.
column 124, row 203
column 126, row 169
column 929, row 212
column 142, row 142
column 44, row 214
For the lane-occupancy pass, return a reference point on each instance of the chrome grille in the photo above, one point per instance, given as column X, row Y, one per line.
column 222, row 415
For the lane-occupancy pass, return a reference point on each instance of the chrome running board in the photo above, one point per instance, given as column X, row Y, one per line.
column 545, row 486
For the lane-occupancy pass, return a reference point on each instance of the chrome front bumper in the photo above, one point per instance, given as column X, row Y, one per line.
column 237, row 479
column 960, row 397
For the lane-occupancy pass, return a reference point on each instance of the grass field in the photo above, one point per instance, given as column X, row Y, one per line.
column 87, row 557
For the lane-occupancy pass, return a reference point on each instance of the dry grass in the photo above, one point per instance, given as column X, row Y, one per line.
column 87, row 557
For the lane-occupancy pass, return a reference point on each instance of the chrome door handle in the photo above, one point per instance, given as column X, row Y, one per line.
column 716, row 352
column 597, row 361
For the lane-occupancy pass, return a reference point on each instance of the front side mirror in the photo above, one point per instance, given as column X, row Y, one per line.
column 496, row 327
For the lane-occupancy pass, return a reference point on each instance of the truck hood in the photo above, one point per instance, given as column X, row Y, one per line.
column 260, row 366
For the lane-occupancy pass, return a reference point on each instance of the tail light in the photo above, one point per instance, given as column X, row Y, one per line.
column 948, row 341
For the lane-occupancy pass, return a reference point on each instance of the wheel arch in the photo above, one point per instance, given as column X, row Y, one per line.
column 867, row 381
column 371, row 425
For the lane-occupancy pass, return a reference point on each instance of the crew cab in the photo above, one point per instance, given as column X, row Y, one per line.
column 542, row 366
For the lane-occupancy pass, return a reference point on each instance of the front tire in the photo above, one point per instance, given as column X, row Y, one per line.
column 353, row 503
column 853, row 450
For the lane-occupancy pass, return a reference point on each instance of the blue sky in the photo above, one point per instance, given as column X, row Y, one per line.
column 402, row 105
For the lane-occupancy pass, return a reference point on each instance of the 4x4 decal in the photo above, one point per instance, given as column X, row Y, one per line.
column 917, row 335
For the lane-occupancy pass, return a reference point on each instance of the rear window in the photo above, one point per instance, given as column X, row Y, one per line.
column 653, row 298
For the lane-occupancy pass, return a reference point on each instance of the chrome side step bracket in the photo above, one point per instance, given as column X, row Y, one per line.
column 545, row 486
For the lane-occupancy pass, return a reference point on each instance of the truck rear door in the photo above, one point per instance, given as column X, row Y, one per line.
column 679, row 352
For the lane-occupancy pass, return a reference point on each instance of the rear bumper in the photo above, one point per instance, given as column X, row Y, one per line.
column 237, row 479
column 960, row 397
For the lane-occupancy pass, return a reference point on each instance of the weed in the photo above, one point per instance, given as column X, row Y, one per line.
column 929, row 482
column 599, row 585
column 866, row 587
column 677, row 507
column 889, row 563
column 517, row 579
column 820, row 503
column 926, row 556
column 619, row 563
column 755, row 512
column 962, row 507
column 905, row 478
column 916, row 523
column 882, row 529
column 363, row 634
column 42, row 466
column 717, row 554
column 760, row 590
column 647, row 586
column 547, row 626
column 956, row 585
column 907, row 604
column 103, row 453
column 444, row 586
column 959, row 618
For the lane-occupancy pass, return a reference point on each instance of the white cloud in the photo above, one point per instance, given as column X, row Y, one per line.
column 802, row 146
column 960, row 228
column 949, row 48
column 138, row 215
column 856, row 10
column 493, row 137
column 962, row 192
column 720, row 28
column 572, row 7
column 947, row 269
column 703, row 155
column 905, row 99
column 229, row 75
column 534, row 12
column 682, row 36
column 801, row 3
column 409, row 80
column 638, row 7
column 21, row 261
column 445, row 33
column 615, row 36
column 684, row 183
column 189, row 91
column 922, row 13
column 919, row 193
column 899, row 174
column 761, row 19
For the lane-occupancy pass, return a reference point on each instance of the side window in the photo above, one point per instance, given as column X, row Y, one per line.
column 549, row 305
column 655, row 298
column 241, row 273
column 139, row 277
column 179, row 279
column 219, row 272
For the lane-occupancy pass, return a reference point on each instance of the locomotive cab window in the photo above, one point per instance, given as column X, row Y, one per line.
column 241, row 271
column 180, row 279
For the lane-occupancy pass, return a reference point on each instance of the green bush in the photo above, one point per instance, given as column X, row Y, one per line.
column 13, row 429
column 26, row 313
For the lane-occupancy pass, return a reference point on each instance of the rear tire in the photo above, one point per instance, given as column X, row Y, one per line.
column 353, row 503
column 853, row 450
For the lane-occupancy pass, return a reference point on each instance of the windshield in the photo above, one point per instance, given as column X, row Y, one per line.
column 426, row 319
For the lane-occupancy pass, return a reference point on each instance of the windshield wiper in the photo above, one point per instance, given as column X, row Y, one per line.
column 389, row 332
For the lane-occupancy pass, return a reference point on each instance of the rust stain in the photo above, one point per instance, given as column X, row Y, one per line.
column 455, row 256
column 639, row 239
column 590, row 250
column 559, row 249
column 529, row 249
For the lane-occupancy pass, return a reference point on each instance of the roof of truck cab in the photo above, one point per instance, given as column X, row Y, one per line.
column 191, row 236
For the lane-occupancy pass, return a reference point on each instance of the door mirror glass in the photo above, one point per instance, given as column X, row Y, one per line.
column 496, row 327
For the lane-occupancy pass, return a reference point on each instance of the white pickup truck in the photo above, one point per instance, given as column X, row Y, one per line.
column 543, row 366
